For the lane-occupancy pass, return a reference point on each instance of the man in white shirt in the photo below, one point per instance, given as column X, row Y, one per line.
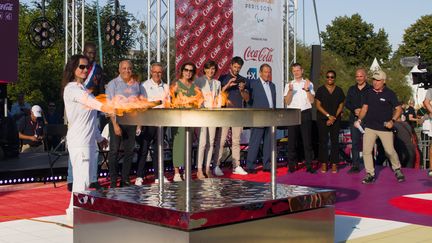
column 299, row 94
column 154, row 90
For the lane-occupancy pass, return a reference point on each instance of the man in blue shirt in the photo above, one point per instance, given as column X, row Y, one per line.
column 124, row 86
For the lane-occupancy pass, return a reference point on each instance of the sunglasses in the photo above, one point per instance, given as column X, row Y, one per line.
column 82, row 67
column 332, row 77
column 188, row 70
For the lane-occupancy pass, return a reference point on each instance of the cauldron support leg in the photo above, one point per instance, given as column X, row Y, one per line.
column 273, row 160
column 187, row 174
column 160, row 156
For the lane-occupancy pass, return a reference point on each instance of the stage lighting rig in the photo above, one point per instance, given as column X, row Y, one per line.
column 115, row 27
column 42, row 32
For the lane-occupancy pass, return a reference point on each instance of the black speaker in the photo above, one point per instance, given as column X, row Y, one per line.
column 3, row 91
column 316, row 65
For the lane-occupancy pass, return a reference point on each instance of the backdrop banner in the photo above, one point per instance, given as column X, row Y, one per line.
column 9, row 41
column 218, row 30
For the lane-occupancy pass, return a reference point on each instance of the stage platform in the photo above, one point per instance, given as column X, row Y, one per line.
column 218, row 210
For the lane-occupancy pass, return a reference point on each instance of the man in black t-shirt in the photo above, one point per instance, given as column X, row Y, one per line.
column 380, row 110
column 30, row 131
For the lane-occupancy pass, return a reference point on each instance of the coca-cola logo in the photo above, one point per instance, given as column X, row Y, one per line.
column 208, row 9
column 192, row 51
column 260, row 55
column 200, row 30
column 185, row 39
column 221, row 3
column 193, row 18
column 198, row 2
column 180, row 24
column 228, row 44
column 6, row 6
column 214, row 53
column 223, row 62
column 222, row 31
column 206, row 43
column 183, row 8
column 215, row 20
column 228, row 13
column 201, row 61
column 178, row 59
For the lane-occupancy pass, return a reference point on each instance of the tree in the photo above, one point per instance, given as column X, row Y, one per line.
column 417, row 39
column 355, row 40
column 112, row 55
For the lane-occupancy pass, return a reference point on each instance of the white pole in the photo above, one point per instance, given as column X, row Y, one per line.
column 82, row 26
column 148, row 38
column 168, row 42
column 66, row 26
column 158, row 31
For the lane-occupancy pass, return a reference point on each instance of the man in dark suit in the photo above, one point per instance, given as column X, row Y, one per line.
column 262, row 96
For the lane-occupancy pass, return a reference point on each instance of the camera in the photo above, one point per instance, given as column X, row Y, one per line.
column 421, row 72
column 39, row 131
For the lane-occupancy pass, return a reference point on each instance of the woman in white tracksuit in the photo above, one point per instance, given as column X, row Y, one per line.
column 81, row 112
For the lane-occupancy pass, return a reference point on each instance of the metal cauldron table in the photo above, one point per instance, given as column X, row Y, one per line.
column 225, row 117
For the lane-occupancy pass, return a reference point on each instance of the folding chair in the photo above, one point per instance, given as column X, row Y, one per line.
column 55, row 153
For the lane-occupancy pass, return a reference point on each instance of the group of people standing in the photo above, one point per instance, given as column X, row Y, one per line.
column 373, row 107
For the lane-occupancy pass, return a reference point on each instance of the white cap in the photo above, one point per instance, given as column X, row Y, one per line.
column 37, row 111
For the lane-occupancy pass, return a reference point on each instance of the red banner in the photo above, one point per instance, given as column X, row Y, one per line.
column 9, row 40
column 204, row 31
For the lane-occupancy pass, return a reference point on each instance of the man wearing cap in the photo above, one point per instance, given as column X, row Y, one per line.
column 380, row 110
column 30, row 131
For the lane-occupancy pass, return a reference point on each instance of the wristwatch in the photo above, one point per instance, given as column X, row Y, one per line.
column 328, row 115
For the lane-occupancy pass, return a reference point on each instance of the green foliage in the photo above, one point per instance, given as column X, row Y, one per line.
column 39, row 71
column 112, row 55
column 418, row 39
column 355, row 41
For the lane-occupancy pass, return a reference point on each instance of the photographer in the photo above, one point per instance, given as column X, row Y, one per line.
column 31, row 131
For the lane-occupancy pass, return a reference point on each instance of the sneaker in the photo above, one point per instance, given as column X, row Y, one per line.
column 311, row 170
column 239, row 171
column 354, row 170
column 399, row 176
column 177, row 177
column 368, row 179
column 165, row 180
column 323, row 168
column 430, row 173
column 139, row 181
column 69, row 186
column 334, row 168
column 217, row 171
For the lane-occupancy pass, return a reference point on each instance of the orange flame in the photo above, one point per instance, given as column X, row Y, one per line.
column 122, row 104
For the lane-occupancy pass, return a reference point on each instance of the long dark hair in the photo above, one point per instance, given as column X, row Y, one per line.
column 69, row 71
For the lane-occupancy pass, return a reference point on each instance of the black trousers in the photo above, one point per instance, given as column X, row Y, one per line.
column 324, row 131
column 127, row 140
column 305, row 130
column 147, row 137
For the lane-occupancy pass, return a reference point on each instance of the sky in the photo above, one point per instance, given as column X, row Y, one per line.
column 394, row 16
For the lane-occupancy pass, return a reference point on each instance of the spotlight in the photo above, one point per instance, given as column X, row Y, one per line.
column 115, row 29
column 42, row 32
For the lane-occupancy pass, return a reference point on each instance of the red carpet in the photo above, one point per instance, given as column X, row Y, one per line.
column 385, row 199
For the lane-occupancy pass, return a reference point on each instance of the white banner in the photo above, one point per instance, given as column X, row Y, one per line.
column 258, row 39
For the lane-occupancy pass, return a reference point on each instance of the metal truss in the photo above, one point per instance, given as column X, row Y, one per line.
column 73, row 19
column 158, row 33
column 291, row 36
